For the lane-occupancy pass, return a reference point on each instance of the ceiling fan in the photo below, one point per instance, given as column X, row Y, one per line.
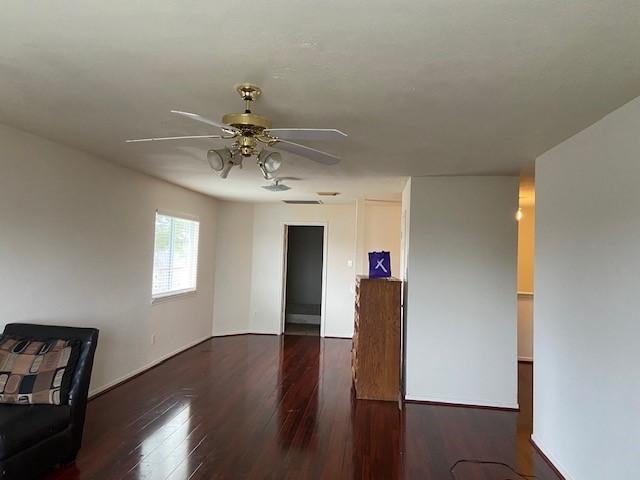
column 252, row 134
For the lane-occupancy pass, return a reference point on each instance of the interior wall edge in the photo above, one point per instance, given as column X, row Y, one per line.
column 550, row 457
column 97, row 391
column 90, row 222
column 233, row 265
column 229, row 333
column 586, row 327
column 462, row 231
column 464, row 401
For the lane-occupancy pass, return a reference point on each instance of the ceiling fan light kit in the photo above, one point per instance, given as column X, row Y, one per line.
column 268, row 163
column 252, row 133
column 217, row 158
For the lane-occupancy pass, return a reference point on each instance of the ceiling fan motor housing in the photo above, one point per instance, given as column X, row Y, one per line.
column 247, row 145
column 250, row 125
column 250, row 122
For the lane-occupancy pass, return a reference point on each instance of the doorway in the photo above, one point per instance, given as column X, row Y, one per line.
column 525, row 283
column 304, row 279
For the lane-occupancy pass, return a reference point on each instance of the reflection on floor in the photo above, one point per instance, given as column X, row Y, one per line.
column 269, row 407
column 301, row 329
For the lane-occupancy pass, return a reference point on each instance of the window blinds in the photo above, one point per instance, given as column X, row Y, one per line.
column 175, row 257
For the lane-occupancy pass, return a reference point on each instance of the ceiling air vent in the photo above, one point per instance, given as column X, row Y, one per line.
column 303, row 202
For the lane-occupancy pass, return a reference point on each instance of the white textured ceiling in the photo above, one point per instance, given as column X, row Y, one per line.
column 421, row 86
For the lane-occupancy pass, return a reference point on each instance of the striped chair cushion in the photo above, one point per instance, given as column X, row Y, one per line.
column 36, row 371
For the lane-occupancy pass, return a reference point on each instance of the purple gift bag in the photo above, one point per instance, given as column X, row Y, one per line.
column 379, row 264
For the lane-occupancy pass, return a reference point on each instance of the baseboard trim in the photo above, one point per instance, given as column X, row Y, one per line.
column 525, row 359
column 95, row 393
column 230, row 333
column 553, row 463
column 246, row 332
column 503, row 408
column 234, row 333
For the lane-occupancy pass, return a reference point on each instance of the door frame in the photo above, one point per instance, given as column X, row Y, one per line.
column 285, row 249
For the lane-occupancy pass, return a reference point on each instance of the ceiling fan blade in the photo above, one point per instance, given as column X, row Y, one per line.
column 200, row 118
column 307, row 152
column 184, row 137
column 306, row 133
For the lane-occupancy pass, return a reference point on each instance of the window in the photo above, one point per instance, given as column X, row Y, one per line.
column 175, row 255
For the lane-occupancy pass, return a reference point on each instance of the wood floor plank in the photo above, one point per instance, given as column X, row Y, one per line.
column 268, row 407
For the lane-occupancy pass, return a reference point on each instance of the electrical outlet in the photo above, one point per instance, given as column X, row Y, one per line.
column 349, row 263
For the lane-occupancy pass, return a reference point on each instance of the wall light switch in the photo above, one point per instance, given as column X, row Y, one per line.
column 349, row 263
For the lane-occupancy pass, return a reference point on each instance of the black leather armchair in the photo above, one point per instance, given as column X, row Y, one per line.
column 35, row 438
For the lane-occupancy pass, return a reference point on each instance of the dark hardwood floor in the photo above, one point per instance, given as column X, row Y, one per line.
column 267, row 407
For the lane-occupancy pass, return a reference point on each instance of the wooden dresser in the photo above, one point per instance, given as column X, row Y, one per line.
column 375, row 355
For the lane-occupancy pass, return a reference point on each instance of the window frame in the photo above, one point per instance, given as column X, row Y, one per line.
column 173, row 294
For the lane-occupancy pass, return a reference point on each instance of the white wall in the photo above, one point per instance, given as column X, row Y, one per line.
column 405, row 223
column 461, row 301
column 249, row 295
column 268, row 261
column 525, row 327
column 378, row 228
column 233, row 260
column 382, row 232
column 76, row 248
column 587, row 322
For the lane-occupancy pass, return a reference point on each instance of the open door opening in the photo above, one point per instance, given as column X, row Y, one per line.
column 303, row 281
column 526, row 261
